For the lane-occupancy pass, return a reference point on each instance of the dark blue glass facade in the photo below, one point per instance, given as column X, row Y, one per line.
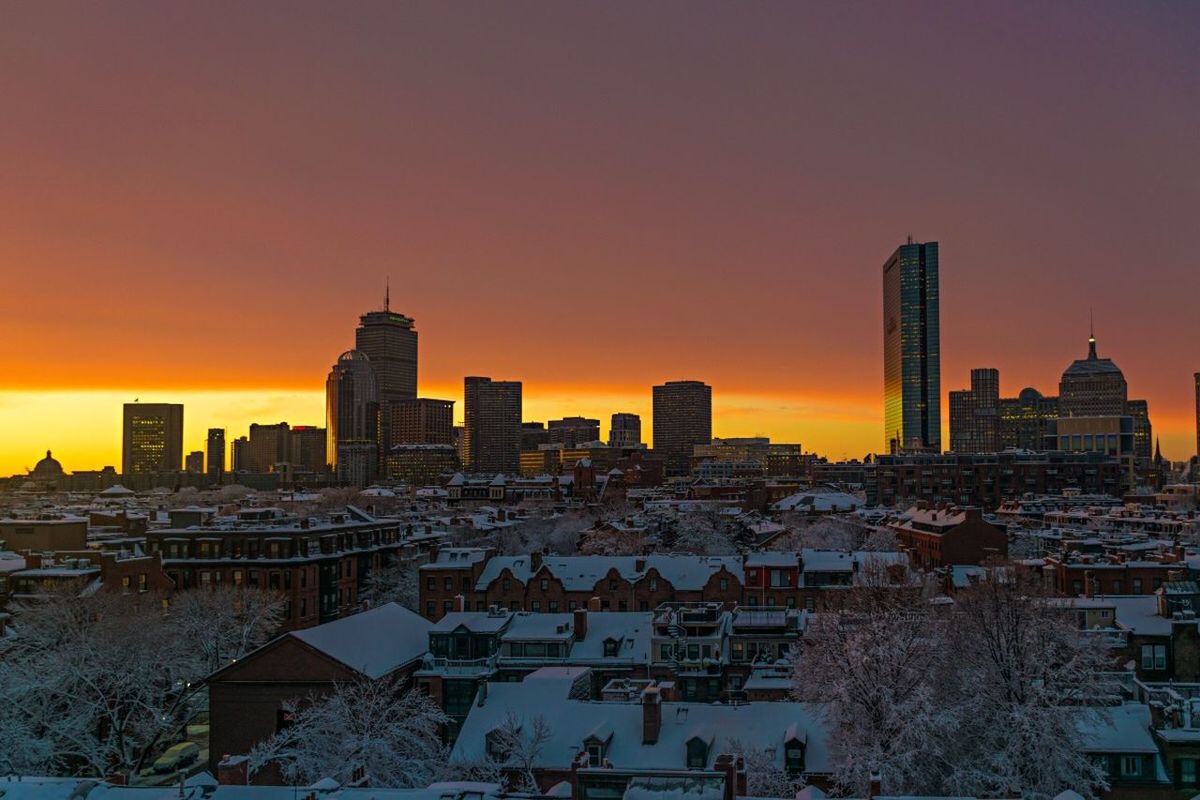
column 912, row 383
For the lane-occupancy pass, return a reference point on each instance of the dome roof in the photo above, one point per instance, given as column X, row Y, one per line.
column 1092, row 365
column 48, row 466
column 353, row 355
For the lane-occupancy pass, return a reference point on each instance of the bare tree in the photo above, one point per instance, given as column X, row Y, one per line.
column 873, row 663
column 519, row 748
column 766, row 773
column 393, row 735
column 1024, row 680
column 398, row 582
column 226, row 622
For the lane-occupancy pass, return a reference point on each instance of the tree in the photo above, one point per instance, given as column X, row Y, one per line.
column 766, row 775
column 225, row 623
column 392, row 734
column 1025, row 677
column 519, row 749
column 704, row 531
column 398, row 582
column 872, row 662
column 97, row 682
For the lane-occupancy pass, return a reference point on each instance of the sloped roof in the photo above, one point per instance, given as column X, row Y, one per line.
column 374, row 642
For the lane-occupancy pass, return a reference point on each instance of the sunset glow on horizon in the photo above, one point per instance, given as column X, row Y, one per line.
column 588, row 201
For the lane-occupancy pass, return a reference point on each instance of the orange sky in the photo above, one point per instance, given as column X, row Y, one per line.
column 592, row 199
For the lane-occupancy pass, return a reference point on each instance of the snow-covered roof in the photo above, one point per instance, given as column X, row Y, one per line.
column 373, row 642
column 755, row 724
column 1139, row 613
column 581, row 573
column 824, row 502
column 1118, row 729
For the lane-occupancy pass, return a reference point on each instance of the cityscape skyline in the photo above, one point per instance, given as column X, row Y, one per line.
column 284, row 223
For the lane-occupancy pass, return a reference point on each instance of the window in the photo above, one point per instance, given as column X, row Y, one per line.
column 466, row 583
column 664, row 652
column 622, row 605
column 1118, row 586
column 447, row 606
column 595, row 753
column 1154, row 656
column 1131, row 766
column 545, row 585
column 793, row 754
column 552, row 606
column 1185, row 771
column 739, row 651
column 697, row 753
column 536, row 605
column 693, row 652
column 1137, row 585
column 612, row 584
column 724, row 584
column 779, row 578
column 449, row 584
column 572, row 605
column 430, row 608
column 610, row 648
column 505, row 585
column 142, row 586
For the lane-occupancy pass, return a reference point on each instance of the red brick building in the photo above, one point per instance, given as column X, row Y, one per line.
column 940, row 535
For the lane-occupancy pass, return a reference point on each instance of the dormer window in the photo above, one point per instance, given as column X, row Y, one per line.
column 697, row 753
column 611, row 647
column 793, row 757
column 595, row 752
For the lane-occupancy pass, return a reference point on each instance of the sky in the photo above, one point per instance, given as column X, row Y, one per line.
column 197, row 200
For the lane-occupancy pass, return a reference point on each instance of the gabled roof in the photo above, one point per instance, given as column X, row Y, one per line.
column 374, row 642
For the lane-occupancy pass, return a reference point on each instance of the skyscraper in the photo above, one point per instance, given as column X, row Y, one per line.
column 268, row 446
column 389, row 341
column 1197, row 377
column 911, row 349
column 351, row 413
column 152, row 438
column 974, row 414
column 306, row 448
column 573, row 431
column 216, row 451
column 682, row 420
column 1096, row 387
column 422, row 420
column 491, row 425
column 625, row 430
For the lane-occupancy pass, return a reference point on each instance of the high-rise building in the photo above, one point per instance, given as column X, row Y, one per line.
column 975, row 414
column 533, row 435
column 625, row 430
column 491, row 425
column 911, row 349
column 268, row 447
column 389, row 341
column 351, row 413
column 193, row 462
column 682, row 420
column 216, row 451
column 152, row 438
column 1197, row 377
column 239, row 454
column 1096, row 387
column 422, row 420
column 1025, row 420
column 573, row 431
column 306, row 448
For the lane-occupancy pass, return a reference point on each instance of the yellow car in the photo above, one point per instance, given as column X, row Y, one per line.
column 177, row 757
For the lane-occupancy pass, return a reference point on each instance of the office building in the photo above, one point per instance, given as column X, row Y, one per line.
column 911, row 349
column 239, row 454
column 351, row 413
column 152, row 438
column 389, row 342
column 306, row 448
column 625, row 430
column 573, row 431
column 268, row 447
column 421, row 420
column 533, row 435
column 975, row 414
column 491, row 425
column 1197, row 377
column 194, row 462
column 1025, row 420
column 1096, row 387
column 422, row 464
column 216, row 451
column 682, row 419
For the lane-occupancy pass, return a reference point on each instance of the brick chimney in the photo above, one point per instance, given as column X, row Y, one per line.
column 876, row 785
column 734, row 769
column 1089, row 580
column 233, row 771
column 594, row 604
column 581, row 616
column 460, row 602
column 651, row 715
column 535, row 561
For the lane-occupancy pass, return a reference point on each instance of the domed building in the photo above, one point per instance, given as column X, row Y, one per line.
column 351, row 412
column 1096, row 387
column 46, row 475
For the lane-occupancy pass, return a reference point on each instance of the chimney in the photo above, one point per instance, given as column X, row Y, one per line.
column 233, row 771
column 1156, row 715
column 460, row 602
column 651, row 715
column 734, row 769
column 876, row 785
column 639, row 565
column 366, row 605
column 594, row 604
column 581, row 615
column 535, row 561
column 1089, row 579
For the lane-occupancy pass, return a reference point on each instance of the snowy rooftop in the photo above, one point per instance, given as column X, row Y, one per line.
column 581, row 573
column 374, row 642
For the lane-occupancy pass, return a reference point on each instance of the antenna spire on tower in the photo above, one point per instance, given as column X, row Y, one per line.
column 387, row 293
column 1091, row 334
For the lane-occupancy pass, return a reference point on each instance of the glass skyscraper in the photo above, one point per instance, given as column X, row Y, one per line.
column 912, row 383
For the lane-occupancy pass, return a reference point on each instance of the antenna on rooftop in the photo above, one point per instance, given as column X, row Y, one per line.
column 387, row 293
